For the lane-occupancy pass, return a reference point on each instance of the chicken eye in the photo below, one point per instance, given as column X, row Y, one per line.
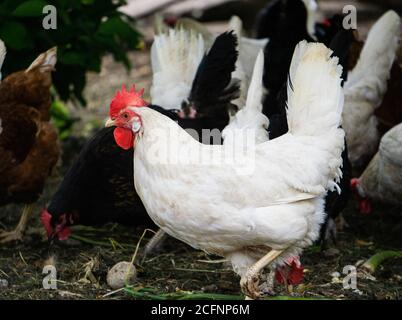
column 125, row 115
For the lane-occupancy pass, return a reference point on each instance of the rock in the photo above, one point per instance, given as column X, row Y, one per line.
column 3, row 284
column 116, row 277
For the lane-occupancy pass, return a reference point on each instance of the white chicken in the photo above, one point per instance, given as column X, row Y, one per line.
column 198, row 194
column 366, row 86
column 382, row 179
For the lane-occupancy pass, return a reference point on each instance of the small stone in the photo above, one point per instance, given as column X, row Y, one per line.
column 335, row 274
column 3, row 284
column 117, row 275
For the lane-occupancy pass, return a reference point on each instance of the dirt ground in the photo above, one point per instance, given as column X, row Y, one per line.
column 178, row 271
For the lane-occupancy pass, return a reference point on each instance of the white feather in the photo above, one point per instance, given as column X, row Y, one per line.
column 311, row 6
column 316, row 101
column 248, row 50
column 382, row 179
column 250, row 120
column 366, row 86
column 2, row 55
column 369, row 77
column 175, row 58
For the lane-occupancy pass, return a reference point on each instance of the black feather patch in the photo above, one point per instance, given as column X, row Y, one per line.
column 268, row 19
column 212, row 85
column 340, row 45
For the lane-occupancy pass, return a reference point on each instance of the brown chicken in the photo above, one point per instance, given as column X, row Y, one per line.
column 29, row 147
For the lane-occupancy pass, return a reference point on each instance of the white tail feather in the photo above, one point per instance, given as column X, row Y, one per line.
column 248, row 50
column 236, row 25
column 250, row 117
column 368, row 79
column 311, row 6
column 2, row 55
column 255, row 91
column 175, row 58
column 315, row 96
column 191, row 24
column 316, row 101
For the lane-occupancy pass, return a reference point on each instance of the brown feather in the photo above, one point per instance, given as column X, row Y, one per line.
column 29, row 147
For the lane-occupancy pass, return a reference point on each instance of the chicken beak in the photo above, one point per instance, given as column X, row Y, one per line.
column 110, row 123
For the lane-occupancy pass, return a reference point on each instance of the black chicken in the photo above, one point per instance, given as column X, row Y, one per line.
column 286, row 29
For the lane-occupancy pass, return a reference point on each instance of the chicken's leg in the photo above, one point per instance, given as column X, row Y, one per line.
column 155, row 241
column 18, row 232
column 249, row 282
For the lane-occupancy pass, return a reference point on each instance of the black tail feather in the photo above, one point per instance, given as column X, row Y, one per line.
column 213, row 85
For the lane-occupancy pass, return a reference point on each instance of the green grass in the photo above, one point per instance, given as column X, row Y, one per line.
column 151, row 294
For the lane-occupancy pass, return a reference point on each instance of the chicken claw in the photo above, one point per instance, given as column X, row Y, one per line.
column 10, row 236
column 249, row 282
column 249, row 285
column 18, row 232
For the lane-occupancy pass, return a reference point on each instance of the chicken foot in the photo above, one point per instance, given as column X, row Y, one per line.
column 18, row 232
column 249, row 282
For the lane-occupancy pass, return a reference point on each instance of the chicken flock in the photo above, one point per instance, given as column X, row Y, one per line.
column 245, row 149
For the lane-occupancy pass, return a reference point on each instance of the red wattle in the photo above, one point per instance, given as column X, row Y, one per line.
column 124, row 138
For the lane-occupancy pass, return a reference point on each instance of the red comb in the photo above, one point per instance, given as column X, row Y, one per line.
column 126, row 98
